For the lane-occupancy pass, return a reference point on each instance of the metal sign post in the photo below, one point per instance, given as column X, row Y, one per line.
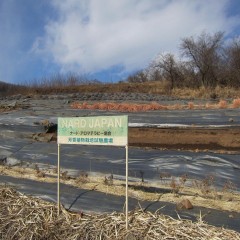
column 58, row 185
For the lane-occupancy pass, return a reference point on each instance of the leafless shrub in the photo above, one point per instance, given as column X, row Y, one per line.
column 39, row 173
column 229, row 186
column 183, row 179
column 82, row 178
column 175, row 186
column 164, row 175
column 108, row 180
column 55, row 170
column 65, row 175
column 206, row 185
column 141, row 175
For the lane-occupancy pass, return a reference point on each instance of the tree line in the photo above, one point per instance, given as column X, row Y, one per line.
column 207, row 60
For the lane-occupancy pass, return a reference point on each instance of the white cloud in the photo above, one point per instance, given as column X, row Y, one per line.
column 94, row 35
column 9, row 40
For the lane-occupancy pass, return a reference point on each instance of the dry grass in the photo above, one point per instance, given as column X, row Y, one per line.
column 59, row 84
column 23, row 217
column 229, row 200
column 222, row 104
column 121, row 107
column 236, row 103
column 205, row 93
column 159, row 88
column 146, row 87
column 134, row 107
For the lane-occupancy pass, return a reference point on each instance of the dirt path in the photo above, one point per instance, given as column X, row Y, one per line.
column 191, row 138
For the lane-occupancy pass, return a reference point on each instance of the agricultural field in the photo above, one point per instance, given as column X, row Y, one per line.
column 183, row 163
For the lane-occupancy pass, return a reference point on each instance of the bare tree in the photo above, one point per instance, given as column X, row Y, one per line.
column 137, row 77
column 232, row 63
column 207, row 61
column 166, row 67
column 204, row 54
column 171, row 70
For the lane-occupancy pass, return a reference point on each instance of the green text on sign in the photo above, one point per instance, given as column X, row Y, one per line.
column 101, row 130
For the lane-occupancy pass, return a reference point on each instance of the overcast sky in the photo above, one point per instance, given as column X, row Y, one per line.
column 104, row 39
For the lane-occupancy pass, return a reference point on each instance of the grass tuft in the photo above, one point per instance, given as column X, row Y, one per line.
column 236, row 103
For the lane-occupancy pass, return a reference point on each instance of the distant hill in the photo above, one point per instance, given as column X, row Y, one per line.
column 7, row 89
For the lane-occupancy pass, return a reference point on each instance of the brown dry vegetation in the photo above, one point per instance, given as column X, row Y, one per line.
column 160, row 88
column 134, row 107
column 149, row 87
column 52, row 87
column 206, row 93
column 24, row 217
column 226, row 198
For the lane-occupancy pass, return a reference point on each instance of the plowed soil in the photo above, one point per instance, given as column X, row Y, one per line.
column 191, row 138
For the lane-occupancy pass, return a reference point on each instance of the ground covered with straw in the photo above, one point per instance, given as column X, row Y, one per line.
column 25, row 217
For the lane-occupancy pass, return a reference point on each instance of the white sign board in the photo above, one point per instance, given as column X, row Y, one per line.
column 102, row 130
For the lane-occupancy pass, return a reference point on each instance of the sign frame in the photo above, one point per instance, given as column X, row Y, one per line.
column 98, row 130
